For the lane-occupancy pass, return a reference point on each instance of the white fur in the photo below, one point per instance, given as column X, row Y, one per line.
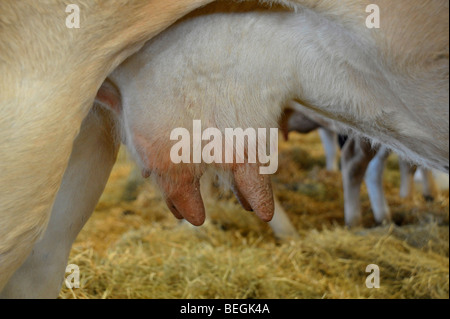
column 92, row 158
column 239, row 70
column 389, row 84
column 49, row 76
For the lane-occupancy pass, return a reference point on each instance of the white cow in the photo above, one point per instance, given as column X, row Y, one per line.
column 393, row 82
column 93, row 156
column 228, row 69
column 49, row 76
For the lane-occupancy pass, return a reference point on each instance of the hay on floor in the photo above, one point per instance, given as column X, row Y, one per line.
column 137, row 249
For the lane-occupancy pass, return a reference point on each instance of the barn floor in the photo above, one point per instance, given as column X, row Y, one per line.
column 137, row 249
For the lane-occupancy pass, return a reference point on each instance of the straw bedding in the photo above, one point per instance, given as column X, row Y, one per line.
column 134, row 248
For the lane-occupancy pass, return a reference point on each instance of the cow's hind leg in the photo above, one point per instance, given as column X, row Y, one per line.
column 92, row 158
column 355, row 157
column 429, row 187
column 374, row 183
column 407, row 171
column 330, row 144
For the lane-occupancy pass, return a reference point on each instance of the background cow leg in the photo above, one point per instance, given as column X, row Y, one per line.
column 355, row 157
column 374, row 183
column 281, row 224
column 407, row 171
column 330, row 144
column 92, row 158
column 429, row 187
